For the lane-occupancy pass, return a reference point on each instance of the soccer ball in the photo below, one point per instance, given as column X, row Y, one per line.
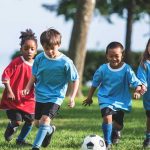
column 93, row 142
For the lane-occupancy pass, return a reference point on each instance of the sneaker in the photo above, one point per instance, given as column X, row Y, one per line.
column 146, row 143
column 22, row 143
column 9, row 132
column 48, row 137
column 108, row 146
column 35, row 148
column 116, row 135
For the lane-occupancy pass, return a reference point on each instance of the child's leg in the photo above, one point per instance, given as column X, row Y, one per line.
column 12, row 126
column 27, row 127
column 44, row 128
column 117, row 126
column 146, row 142
column 107, row 125
column 48, row 111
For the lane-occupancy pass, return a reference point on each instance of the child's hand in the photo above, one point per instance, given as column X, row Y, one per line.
column 71, row 103
column 143, row 89
column 25, row 92
column 136, row 95
column 10, row 96
column 87, row 102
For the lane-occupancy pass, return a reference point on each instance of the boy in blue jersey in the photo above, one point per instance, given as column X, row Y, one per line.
column 51, row 73
column 143, row 74
column 113, row 80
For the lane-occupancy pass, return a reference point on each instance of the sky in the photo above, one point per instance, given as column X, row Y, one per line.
column 18, row 15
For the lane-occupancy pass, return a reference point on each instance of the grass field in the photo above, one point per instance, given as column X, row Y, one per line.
column 74, row 124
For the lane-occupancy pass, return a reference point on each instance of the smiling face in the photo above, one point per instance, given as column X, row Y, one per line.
column 29, row 49
column 114, row 57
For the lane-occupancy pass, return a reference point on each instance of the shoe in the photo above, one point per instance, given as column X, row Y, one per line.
column 146, row 143
column 48, row 137
column 108, row 146
column 22, row 143
column 9, row 132
column 35, row 148
column 116, row 135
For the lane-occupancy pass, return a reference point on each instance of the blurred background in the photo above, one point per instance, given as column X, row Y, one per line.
column 90, row 24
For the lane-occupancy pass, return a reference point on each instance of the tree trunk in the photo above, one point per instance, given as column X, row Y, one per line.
column 130, row 11
column 77, row 47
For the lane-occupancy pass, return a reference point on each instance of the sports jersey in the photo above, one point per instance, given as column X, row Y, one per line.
column 114, row 86
column 52, row 77
column 18, row 73
column 144, row 75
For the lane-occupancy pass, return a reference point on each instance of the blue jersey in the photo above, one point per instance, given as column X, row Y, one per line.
column 144, row 75
column 52, row 77
column 114, row 86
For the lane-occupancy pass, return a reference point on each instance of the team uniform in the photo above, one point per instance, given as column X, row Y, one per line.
column 22, row 108
column 114, row 96
column 18, row 73
column 52, row 77
column 144, row 76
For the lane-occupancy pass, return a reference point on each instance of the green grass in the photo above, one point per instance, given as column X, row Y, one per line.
column 74, row 124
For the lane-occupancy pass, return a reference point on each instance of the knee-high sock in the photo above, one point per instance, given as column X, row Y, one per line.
column 107, row 130
column 43, row 130
column 24, row 131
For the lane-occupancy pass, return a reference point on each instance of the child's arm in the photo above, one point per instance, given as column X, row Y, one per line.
column 10, row 94
column 89, row 100
column 29, row 85
column 74, row 90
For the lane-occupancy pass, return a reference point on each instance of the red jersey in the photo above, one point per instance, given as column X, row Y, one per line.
column 18, row 73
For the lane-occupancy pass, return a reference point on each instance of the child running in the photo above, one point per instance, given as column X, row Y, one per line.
column 51, row 73
column 113, row 80
column 143, row 74
column 15, row 77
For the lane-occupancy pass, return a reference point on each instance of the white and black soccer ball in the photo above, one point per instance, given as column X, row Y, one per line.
column 93, row 142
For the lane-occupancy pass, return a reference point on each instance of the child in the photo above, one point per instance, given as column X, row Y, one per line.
column 19, row 108
column 143, row 74
column 113, row 80
column 52, row 71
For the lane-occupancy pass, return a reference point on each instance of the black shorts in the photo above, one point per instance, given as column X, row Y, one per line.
column 48, row 109
column 117, row 116
column 148, row 113
column 18, row 115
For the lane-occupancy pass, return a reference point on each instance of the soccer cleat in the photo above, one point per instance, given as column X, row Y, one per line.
column 108, row 146
column 9, row 132
column 116, row 135
column 22, row 143
column 146, row 143
column 35, row 148
column 48, row 137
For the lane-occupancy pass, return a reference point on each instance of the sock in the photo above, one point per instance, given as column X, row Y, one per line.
column 43, row 130
column 24, row 131
column 107, row 130
column 147, row 135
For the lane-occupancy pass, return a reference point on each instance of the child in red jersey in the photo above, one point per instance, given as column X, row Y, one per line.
column 19, row 108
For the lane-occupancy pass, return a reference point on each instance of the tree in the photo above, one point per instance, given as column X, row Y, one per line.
column 77, row 47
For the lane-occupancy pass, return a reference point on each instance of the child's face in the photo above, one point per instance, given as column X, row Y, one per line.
column 52, row 53
column 114, row 57
column 29, row 49
column 149, row 48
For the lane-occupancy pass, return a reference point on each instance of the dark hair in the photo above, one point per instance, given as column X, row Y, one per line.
column 114, row 45
column 50, row 38
column 27, row 35
column 146, row 55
